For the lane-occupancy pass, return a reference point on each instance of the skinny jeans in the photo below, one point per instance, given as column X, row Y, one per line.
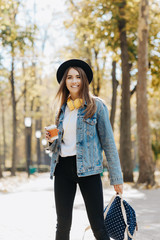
column 65, row 185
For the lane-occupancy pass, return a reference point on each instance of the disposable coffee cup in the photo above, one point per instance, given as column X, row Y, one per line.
column 52, row 129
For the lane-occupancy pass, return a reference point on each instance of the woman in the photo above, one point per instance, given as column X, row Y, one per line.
column 84, row 131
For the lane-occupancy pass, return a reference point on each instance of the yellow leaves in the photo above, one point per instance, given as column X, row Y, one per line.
column 3, row 27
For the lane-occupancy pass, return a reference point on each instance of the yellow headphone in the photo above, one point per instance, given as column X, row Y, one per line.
column 77, row 103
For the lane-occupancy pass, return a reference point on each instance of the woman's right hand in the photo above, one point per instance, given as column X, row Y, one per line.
column 48, row 138
column 118, row 188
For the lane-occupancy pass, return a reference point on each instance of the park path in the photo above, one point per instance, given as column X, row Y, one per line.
column 28, row 211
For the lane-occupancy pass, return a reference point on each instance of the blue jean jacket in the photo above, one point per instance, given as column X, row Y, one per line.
column 93, row 136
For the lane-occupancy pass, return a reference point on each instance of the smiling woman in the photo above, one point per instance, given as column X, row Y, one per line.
column 84, row 131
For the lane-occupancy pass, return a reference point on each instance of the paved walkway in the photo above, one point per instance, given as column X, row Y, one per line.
column 28, row 211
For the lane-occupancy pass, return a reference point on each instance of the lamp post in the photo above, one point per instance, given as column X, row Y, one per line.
column 38, row 136
column 28, row 124
column 44, row 143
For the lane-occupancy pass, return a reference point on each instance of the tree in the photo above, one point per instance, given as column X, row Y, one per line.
column 4, row 106
column 14, row 39
column 146, row 167
column 125, row 125
column 3, row 131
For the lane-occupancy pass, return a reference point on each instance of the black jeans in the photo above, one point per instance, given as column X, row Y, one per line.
column 65, row 185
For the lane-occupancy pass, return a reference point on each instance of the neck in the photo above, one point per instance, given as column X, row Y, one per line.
column 73, row 97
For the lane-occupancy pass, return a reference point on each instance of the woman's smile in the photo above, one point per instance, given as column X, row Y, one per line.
column 75, row 86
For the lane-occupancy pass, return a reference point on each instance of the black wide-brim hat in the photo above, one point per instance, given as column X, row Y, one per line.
column 74, row 63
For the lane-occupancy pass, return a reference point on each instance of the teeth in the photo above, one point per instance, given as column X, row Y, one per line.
column 75, row 86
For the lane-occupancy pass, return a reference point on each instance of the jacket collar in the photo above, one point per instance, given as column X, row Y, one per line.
column 63, row 107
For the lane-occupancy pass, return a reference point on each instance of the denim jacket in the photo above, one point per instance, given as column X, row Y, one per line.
column 93, row 135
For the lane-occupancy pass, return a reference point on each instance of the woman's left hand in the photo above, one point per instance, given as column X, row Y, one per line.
column 118, row 188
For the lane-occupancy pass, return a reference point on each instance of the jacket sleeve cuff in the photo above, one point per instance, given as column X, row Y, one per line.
column 116, row 181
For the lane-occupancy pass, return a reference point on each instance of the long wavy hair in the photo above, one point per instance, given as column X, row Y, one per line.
column 85, row 94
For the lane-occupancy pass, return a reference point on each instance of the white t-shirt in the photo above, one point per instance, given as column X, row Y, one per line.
column 68, row 145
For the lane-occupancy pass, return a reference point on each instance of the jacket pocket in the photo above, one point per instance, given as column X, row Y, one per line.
column 90, row 126
column 90, row 121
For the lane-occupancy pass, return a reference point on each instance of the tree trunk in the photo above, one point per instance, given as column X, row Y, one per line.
column 14, row 119
column 146, row 166
column 3, row 134
column 1, row 172
column 125, row 134
column 1, row 151
column 97, row 89
column 114, row 94
column 1, row 175
column 25, row 87
column 96, row 80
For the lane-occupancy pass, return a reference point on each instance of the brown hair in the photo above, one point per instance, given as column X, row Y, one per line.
column 63, row 93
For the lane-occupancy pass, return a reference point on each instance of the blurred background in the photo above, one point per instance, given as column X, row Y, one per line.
column 120, row 40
